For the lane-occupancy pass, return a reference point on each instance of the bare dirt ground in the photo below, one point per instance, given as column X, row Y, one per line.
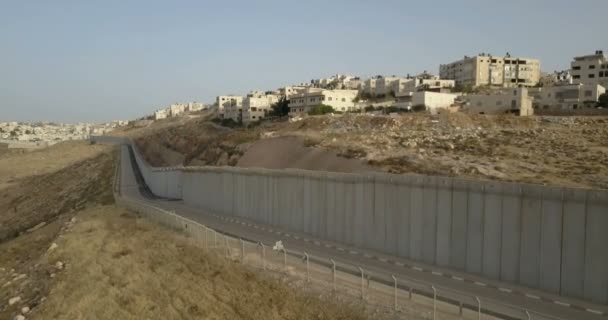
column 564, row 151
column 16, row 164
column 66, row 252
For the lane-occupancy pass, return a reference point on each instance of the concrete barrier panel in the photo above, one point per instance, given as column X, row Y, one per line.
column 348, row 199
column 429, row 220
column 403, row 221
column 339, row 207
column 458, row 235
column 444, row 221
column 530, row 236
column 391, row 218
column 511, row 233
column 551, row 240
column 379, row 231
column 416, row 219
column 359, row 225
column 492, row 237
column 573, row 251
column 596, row 252
column 475, row 227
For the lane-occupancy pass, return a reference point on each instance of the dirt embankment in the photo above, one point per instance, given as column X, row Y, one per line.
column 68, row 253
column 563, row 151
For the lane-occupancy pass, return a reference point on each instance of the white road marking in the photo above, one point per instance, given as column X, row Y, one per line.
column 383, row 260
column 594, row 311
column 399, row 264
column 353, row 252
column 531, row 296
column 561, row 303
column 505, row 290
column 367, row 256
column 340, row 249
column 437, row 273
column 480, row 283
column 457, row 278
column 417, row 269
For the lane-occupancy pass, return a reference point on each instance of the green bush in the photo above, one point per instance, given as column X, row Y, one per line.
column 418, row 108
column 321, row 109
column 280, row 108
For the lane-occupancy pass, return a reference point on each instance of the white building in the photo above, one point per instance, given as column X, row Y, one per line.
column 160, row 114
column 485, row 69
column 339, row 100
column 257, row 106
column 431, row 101
column 566, row 97
column 515, row 100
column 590, row 69
column 229, row 106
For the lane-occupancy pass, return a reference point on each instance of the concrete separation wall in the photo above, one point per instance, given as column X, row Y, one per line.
column 549, row 238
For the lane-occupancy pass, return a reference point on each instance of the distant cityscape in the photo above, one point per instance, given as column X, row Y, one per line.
column 42, row 134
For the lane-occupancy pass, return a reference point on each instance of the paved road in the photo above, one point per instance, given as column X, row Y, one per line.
column 379, row 265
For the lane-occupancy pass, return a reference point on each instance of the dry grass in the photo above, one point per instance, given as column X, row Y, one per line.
column 120, row 267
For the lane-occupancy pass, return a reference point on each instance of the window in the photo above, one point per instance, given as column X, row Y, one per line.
column 592, row 66
column 576, row 76
column 330, row 98
column 499, row 103
column 591, row 75
column 254, row 109
column 343, row 99
column 493, row 60
column 253, row 117
column 588, row 93
column 576, row 68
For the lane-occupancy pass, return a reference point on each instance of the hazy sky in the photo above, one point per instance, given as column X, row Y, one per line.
column 101, row 60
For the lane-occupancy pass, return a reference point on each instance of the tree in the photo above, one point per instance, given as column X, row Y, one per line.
column 321, row 109
column 603, row 101
column 280, row 108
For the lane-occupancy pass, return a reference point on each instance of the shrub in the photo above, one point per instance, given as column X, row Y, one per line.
column 321, row 109
column 418, row 108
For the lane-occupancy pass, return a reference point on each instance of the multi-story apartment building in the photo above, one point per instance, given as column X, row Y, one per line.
column 160, row 114
column 384, row 85
column 340, row 100
column 422, row 84
column 369, row 86
column 514, row 100
column 489, row 70
column 229, row 106
column 287, row 92
column 590, row 69
column 566, row 96
column 257, row 106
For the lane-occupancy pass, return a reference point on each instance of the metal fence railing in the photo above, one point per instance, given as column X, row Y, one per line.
column 402, row 297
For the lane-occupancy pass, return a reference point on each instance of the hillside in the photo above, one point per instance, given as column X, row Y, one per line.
column 67, row 252
column 563, row 151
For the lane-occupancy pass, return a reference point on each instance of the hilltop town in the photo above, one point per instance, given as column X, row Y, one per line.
column 481, row 84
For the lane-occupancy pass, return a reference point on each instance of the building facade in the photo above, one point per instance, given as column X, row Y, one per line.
column 340, row 100
column 257, row 106
column 566, row 97
column 515, row 100
column 590, row 69
column 487, row 70
column 229, row 106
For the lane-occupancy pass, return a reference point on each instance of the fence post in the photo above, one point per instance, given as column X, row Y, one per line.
column 226, row 248
column 460, row 308
column 362, row 283
column 263, row 255
column 478, row 308
column 434, row 301
column 206, row 241
column 333, row 274
column 215, row 239
column 410, row 292
column 284, row 259
column 242, row 251
column 395, row 292
column 528, row 314
column 307, row 267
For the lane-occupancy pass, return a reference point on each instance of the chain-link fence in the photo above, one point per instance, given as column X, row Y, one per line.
column 400, row 297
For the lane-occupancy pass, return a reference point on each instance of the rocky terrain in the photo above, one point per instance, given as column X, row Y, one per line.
column 563, row 151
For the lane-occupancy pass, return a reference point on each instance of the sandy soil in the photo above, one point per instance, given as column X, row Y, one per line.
column 15, row 164
column 563, row 151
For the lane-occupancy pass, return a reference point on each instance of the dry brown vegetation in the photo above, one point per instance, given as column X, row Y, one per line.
column 67, row 252
column 565, row 151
